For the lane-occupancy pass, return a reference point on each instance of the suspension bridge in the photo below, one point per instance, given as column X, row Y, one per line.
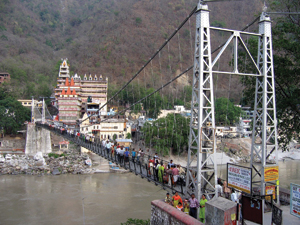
column 202, row 129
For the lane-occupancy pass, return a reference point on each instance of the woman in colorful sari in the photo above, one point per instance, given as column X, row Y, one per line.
column 176, row 199
column 202, row 209
column 161, row 171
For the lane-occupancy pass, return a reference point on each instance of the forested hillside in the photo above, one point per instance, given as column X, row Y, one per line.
column 108, row 37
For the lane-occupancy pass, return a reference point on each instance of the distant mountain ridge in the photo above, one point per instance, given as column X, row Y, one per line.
column 108, row 37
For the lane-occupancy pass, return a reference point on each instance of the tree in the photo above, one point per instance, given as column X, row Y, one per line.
column 286, row 58
column 226, row 112
column 167, row 133
column 128, row 135
column 13, row 114
column 131, row 221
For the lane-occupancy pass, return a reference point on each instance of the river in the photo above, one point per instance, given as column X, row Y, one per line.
column 289, row 171
column 106, row 198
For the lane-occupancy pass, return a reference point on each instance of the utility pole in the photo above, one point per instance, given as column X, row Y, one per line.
column 43, row 111
column 32, row 109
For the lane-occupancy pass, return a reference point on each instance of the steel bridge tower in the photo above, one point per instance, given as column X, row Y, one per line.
column 201, row 153
column 201, row 165
column 264, row 133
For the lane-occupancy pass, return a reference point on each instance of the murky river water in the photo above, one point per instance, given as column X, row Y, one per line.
column 75, row 199
column 89, row 199
column 289, row 171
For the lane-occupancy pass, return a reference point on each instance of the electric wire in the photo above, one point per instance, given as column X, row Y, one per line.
column 155, row 54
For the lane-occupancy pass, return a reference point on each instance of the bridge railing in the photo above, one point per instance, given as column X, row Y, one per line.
column 139, row 167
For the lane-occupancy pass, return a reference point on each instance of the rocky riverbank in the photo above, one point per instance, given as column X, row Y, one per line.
column 50, row 164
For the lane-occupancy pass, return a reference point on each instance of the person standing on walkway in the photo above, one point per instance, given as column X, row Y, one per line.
column 202, row 209
column 226, row 189
column 234, row 197
column 194, row 204
column 168, row 199
column 176, row 199
column 179, row 206
column 186, row 207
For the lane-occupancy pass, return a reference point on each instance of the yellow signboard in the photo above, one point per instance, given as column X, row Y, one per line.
column 271, row 173
column 270, row 190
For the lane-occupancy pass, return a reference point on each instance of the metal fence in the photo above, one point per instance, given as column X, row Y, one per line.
column 133, row 164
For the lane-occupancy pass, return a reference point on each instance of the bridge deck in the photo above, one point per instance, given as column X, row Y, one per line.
column 138, row 167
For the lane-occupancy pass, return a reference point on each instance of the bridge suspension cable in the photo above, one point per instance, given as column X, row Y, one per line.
column 150, row 61
column 144, row 66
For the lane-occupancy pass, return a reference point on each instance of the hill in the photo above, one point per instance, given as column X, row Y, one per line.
column 108, row 37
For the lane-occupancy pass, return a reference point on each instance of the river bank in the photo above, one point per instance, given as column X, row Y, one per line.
column 56, row 163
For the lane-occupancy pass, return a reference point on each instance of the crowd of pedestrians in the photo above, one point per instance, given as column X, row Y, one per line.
column 161, row 171
column 190, row 206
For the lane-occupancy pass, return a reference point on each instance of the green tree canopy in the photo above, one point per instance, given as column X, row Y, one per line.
column 286, row 58
column 13, row 114
column 226, row 112
column 171, row 132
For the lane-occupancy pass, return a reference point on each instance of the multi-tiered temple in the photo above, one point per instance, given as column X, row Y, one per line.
column 76, row 96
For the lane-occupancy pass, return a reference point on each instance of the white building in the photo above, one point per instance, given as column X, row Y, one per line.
column 178, row 109
column 244, row 128
column 108, row 129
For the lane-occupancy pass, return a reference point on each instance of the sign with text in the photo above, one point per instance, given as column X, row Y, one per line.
column 239, row 177
column 270, row 190
column 271, row 173
column 295, row 199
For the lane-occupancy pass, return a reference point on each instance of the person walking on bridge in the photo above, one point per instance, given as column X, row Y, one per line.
column 133, row 153
column 175, row 173
column 108, row 146
column 121, row 152
column 161, row 171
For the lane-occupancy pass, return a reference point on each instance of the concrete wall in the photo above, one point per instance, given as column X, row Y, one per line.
column 37, row 140
column 13, row 144
column 164, row 214
column 220, row 211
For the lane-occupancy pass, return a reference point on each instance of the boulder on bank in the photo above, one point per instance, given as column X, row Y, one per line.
column 55, row 171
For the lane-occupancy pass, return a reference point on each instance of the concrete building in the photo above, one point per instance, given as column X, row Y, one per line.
column 92, row 90
column 69, row 104
column 178, row 109
column 28, row 102
column 4, row 77
column 108, row 129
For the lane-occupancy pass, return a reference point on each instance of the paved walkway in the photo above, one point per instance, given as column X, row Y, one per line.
column 288, row 219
